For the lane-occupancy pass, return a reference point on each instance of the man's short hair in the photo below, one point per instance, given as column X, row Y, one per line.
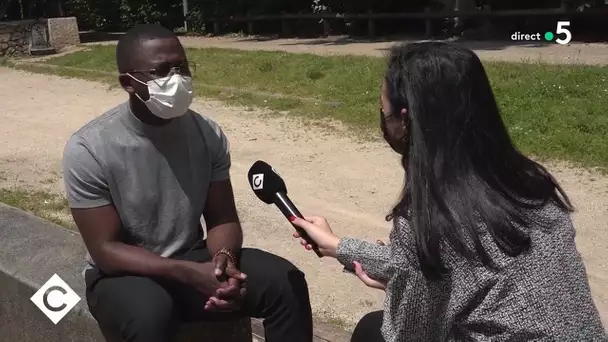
column 131, row 41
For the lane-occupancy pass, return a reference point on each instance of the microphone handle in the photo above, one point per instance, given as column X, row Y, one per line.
column 289, row 209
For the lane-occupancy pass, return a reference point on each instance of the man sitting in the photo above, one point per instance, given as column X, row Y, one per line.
column 138, row 179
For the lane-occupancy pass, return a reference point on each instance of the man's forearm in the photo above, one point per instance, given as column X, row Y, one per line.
column 227, row 235
column 117, row 257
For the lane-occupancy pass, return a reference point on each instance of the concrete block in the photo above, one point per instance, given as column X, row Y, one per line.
column 31, row 251
column 63, row 32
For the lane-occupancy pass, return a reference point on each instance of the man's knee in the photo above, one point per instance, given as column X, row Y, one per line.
column 268, row 263
column 278, row 272
column 277, row 291
column 283, row 270
column 290, row 277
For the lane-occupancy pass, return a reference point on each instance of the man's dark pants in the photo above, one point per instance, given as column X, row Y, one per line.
column 142, row 309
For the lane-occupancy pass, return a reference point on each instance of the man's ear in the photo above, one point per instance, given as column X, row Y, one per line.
column 125, row 82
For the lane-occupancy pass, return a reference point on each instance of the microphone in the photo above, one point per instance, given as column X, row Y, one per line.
column 269, row 187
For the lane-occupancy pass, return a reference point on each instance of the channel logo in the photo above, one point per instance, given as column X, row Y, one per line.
column 55, row 299
column 561, row 30
column 258, row 181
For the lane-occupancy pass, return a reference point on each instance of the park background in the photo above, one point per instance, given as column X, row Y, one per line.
column 314, row 89
column 344, row 16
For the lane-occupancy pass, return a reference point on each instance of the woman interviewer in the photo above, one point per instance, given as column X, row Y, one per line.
column 482, row 246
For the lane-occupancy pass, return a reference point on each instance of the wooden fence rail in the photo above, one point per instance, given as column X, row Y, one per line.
column 428, row 15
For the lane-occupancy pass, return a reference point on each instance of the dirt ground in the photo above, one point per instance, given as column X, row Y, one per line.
column 352, row 184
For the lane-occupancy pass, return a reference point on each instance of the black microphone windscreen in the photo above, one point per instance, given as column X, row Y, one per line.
column 265, row 182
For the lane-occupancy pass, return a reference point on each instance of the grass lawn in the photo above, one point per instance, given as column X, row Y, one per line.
column 556, row 112
column 43, row 204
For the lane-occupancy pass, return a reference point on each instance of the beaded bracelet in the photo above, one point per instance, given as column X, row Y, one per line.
column 227, row 253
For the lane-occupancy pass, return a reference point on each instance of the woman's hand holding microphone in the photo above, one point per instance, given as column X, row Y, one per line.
column 319, row 231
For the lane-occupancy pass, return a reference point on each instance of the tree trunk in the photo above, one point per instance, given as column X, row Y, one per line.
column 459, row 6
column 4, row 5
column 60, row 11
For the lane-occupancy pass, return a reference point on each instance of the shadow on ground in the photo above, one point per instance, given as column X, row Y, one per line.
column 384, row 44
column 98, row 37
column 483, row 45
column 346, row 40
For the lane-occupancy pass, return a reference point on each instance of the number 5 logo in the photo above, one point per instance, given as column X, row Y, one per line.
column 561, row 28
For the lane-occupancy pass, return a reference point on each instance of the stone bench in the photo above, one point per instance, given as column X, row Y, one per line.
column 31, row 251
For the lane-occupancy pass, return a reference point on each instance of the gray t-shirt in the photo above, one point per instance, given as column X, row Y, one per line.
column 156, row 177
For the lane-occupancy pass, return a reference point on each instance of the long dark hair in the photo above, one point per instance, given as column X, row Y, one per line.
column 461, row 167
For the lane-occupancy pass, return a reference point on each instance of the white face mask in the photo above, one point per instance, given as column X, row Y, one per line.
column 170, row 96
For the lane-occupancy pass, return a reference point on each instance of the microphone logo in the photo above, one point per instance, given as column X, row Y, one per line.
column 258, row 181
